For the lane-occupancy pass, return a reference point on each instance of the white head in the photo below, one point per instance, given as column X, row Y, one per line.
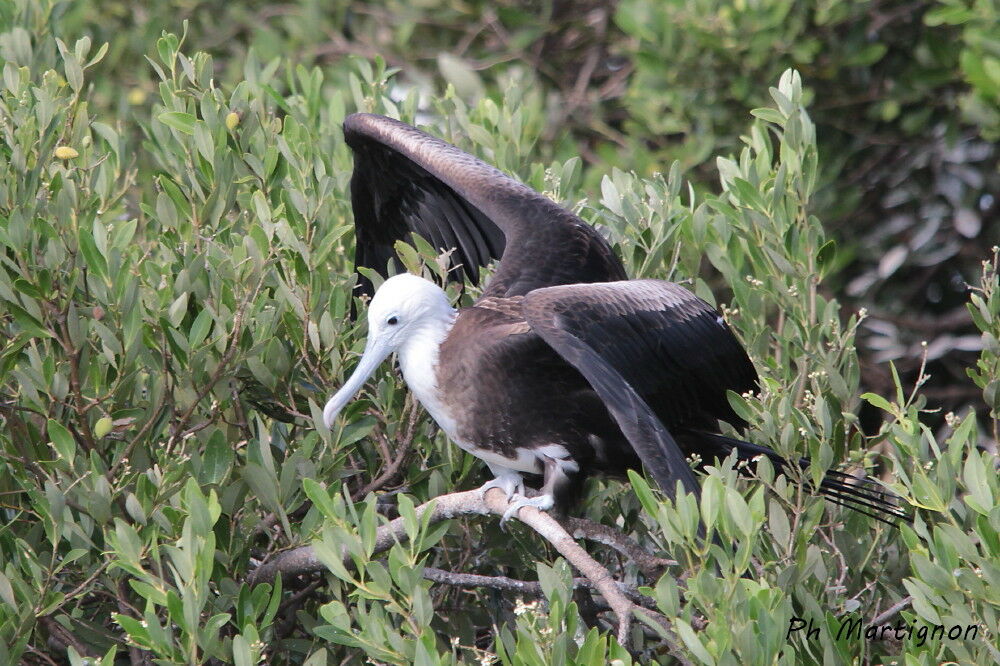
column 404, row 306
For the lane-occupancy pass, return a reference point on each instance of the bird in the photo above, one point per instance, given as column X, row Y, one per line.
column 563, row 367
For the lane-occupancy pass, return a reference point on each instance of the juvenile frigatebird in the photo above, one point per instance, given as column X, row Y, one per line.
column 563, row 367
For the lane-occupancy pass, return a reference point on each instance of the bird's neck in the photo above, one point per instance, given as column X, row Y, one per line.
column 418, row 359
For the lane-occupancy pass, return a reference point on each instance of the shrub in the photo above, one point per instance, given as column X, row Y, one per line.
column 175, row 310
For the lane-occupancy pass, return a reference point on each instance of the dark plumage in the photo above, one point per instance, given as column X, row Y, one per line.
column 563, row 367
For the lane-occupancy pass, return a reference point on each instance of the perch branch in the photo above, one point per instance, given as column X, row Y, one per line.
column 553, row 532
column 304, row 560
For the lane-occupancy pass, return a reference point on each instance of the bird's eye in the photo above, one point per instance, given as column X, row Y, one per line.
column 392, row 321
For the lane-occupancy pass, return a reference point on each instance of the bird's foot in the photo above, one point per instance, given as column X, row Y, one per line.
column 541, row 502
column 511, row 484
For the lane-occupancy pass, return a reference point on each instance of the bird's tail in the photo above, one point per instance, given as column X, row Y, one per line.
column 864, row 495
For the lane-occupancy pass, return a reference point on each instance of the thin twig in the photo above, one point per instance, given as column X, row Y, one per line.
column 41, row 655
column 392, row 465
column 227, row 357
column 891, row 611
column 65, row 638
column 533, row 588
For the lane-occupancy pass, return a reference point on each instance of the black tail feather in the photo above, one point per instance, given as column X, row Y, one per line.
column 863, row 495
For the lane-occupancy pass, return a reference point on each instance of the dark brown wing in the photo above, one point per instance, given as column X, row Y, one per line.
column 406, row 181
column 657, row 355
column 670, row 346
column 662, row 360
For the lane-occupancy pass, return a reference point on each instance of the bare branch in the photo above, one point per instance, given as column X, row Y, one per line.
column 394, row 463
column 553, row 532
column 651, row 566
column 891, row 611
column 532, row 588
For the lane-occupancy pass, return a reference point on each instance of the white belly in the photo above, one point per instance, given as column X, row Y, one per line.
column 527, row 460
column 418, row 361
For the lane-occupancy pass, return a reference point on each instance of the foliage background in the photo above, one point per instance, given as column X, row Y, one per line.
column 174, row 243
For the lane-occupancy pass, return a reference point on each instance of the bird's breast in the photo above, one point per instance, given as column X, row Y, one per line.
column 418, row 360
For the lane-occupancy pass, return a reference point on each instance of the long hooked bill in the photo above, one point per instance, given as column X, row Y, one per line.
column 376, row 351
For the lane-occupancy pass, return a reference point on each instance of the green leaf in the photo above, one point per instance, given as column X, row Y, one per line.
column 878, row 401
column 409, row 516
column 927, row 494
column 769, row 114
column 826, row 254
column 692, row 641
column 26, row 322
column 7, row 591
column 62, row 440
column 980, row 496
column 199, row 329
column 133, row 628
column 739, row 512
column 178, row 309
column 643, row 492
column 72, row 68
column 178, row 120
column 241, row 651
column 320, row 498
column 92, row 255
column 711, row 499
column 217, row 459
column 26, row 287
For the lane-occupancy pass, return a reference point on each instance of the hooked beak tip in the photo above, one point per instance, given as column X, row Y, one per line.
column 330, row 413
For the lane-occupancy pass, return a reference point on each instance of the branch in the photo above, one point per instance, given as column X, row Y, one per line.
column 65, row 638
column 651, row 566
column 303, row 560
column 892, row 610
column 553, row 532
column 227, row 357
column 80, row 405
column 392, row 465
column 532, row 588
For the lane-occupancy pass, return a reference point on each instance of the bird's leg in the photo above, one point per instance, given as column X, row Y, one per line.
column 554, row 476
column 507, row 480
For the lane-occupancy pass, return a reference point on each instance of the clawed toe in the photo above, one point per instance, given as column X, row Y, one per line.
column 511, row 485
column 542, row 503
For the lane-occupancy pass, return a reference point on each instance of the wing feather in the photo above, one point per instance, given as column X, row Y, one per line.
column 588, row 326
column 406, row 181
column 662, row 359
column 670, row 346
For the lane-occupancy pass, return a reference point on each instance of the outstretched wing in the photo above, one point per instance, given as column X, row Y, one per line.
column 406, row 181
column 661, row 358
column 657, row 356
